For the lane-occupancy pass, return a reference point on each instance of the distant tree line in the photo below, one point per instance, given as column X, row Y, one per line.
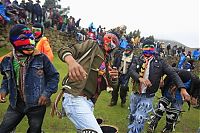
column 52, row 4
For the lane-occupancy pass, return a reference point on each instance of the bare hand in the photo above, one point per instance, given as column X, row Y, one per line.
column 113, row 72
column 185, row 95
column 146, row 82
column 76, row 71
column 42, row 100
column 2, row 97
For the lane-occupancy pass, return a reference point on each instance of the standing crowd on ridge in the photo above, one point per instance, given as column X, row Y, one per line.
column 99, row 60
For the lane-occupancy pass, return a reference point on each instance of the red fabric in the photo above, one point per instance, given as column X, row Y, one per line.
column 21, row 42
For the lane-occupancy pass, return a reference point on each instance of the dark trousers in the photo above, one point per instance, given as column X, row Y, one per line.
column 122, row 87
column 13, row 117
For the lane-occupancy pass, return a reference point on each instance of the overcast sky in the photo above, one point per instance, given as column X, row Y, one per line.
column 165, row 19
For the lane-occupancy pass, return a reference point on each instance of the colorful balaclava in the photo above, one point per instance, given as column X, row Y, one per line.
column 128, row 50
column 37, row 30
column 22, row 38
column 148, row 48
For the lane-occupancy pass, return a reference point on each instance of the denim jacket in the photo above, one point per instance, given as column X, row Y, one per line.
column 41, row 79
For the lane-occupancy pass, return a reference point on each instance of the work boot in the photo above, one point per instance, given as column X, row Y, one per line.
column 112, row 103
column 123, row 103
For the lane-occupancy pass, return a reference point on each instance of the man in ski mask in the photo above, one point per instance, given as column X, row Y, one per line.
column 146, row 70
column 29, row 78
column 122, row 63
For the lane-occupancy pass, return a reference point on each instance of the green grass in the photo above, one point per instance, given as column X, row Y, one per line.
column 116, row 116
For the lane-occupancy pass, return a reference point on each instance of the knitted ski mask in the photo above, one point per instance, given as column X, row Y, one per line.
column 21, row 38
column 128, row 50
column 37, row 30
column 148, row 48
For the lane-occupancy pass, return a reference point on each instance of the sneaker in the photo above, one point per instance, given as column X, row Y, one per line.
column 167, row 129
column 151, row 128
column 152, row 124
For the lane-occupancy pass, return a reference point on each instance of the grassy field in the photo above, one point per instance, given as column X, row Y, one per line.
column 116, row 116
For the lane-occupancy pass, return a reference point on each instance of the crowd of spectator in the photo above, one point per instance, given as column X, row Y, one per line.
column 30, row 13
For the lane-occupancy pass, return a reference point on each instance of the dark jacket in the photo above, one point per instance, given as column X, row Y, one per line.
column 169, row 82
column 23, row 5
column 158, row 67
column 91, row 64
column 37, row 9
column 195, row 86
column 41, row 79
column 29, row 6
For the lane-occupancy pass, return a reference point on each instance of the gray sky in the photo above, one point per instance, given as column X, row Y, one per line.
column 165, row 19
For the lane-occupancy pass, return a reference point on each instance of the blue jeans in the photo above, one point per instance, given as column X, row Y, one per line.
column 14, row 116
column 140, row 106
column 79, row 110
column 175, row 103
